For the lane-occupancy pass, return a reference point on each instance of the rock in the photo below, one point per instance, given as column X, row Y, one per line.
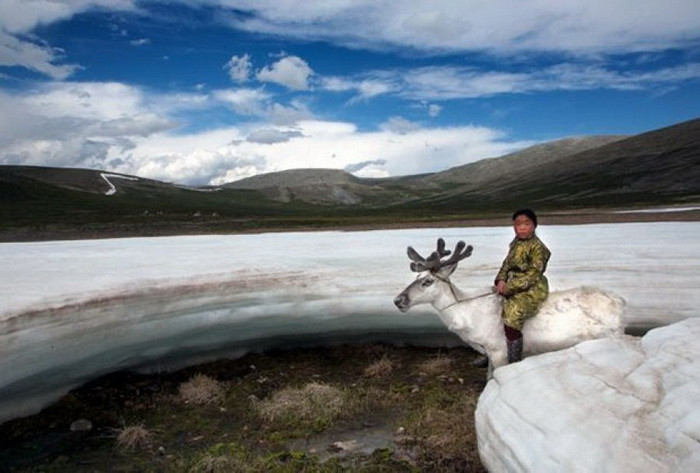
column 344, row 446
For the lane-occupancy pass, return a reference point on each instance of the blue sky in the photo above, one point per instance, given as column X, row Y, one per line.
column 211, row 91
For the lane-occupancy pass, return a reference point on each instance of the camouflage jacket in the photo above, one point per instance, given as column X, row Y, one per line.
column 524, row 265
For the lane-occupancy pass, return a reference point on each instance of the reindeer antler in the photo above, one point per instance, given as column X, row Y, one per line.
column 434, row 262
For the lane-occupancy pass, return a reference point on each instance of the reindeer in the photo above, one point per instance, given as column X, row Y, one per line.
column 565, row 319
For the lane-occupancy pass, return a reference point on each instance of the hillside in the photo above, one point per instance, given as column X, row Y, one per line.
column 332, row 186
column 658, row 168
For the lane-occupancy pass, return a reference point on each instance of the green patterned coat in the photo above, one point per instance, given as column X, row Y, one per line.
column 527, row 287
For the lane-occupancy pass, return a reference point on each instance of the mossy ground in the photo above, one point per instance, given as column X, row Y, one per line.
column 363, row 408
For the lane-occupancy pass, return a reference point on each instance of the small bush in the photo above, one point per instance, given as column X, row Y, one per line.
column 380, row 368
column 200, row 390
column 315, row 405
column 135, row 437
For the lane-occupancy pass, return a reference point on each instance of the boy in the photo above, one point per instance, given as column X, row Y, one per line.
column 521, row 280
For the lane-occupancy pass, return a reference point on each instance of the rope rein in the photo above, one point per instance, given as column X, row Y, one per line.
column 457, row 299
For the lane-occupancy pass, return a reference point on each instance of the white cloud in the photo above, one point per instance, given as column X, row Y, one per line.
column 364, row 88
column 140, row 42
column 121, row 129
column 434, row 110
column 36, row 57
column 290, row 71
column 239, row 68
column 251, row 102
column 399, row 125
column 339, row 145
column 447, row 83
column 18, row 17
column 21, row 16
column 498, row 26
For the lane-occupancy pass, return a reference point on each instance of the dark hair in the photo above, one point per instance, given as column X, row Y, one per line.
column 529, row 213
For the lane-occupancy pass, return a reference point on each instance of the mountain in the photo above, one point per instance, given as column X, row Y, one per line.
column 332, row 186
column 660, row 167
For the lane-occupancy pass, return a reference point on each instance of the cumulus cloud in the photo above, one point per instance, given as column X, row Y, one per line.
column 341, row 145
column 290, row 71
column 120, row 128
column 239, row 68
column 75, row 124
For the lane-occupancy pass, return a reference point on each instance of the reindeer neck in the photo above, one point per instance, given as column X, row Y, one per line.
column 455, row 297
column 451, row 298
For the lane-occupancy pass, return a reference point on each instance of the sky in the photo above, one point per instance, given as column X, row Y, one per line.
column 204, row 92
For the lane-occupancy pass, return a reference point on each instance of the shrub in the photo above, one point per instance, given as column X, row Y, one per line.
column 315, row 405
column 380, row 368
column 200, row 390
column 437, row 365
column 135, row 437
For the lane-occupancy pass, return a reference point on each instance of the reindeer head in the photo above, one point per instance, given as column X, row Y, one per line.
column 434, row 273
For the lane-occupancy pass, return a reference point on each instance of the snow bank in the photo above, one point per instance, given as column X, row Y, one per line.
column 617, row 405
column 73, row 310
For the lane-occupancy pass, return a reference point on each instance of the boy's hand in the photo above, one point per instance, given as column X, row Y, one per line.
column 501, row 288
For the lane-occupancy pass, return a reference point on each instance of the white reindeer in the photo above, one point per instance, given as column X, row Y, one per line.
column 565, row 319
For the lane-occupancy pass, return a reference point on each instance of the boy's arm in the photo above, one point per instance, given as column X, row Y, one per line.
column 502, row 273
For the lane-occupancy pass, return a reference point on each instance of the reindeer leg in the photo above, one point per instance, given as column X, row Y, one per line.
column 481, row 361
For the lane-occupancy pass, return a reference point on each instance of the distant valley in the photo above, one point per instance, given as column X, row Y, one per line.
column 657, row 168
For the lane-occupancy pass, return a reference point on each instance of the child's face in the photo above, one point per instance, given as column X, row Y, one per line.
column 523, row 226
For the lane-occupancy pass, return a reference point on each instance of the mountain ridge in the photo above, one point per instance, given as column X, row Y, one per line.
column 656, row 168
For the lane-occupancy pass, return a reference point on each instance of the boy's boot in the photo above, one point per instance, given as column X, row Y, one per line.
column 514, row 343
column 515, row 350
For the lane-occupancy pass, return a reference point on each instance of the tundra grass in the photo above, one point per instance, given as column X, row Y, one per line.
column 348, row 408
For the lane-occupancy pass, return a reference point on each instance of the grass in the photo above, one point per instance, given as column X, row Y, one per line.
column 313, row 406
column 347, row 408
column 134, row 437
column 200, row 389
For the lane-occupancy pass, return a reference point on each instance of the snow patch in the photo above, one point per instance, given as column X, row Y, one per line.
column 112, row 189
column 618, row 405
